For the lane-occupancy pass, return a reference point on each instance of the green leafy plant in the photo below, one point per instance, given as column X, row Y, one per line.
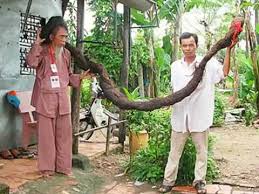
column 134, row 95
column 247, row 93
column 218, row 117
column 136, row 120
column 86, row 93
column 250, row 113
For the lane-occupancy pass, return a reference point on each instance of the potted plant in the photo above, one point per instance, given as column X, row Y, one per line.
column 138, row 135
column 138, row 138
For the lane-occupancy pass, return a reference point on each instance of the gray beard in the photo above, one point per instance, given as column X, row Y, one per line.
column 58, row 52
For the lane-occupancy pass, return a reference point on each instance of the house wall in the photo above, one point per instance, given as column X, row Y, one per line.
column 10, row 78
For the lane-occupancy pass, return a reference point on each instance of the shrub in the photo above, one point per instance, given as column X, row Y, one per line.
column 86, row 93
column 148, row 164
column 218, row 117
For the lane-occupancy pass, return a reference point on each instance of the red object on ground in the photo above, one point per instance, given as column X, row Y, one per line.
column 12, row 93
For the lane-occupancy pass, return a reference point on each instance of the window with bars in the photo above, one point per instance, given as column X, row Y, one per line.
column 27, row 37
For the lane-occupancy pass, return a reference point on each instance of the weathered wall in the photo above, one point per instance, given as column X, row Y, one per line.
column 10, row 78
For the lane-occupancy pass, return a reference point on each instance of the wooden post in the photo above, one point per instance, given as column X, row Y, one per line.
column 75, row 99
column 108, row 136
column 122, row 135
column 125, row 66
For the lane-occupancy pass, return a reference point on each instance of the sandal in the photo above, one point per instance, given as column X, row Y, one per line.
column 200, row 188
column 6, row 154
column 165, row 188
column 16, row 153
column 26, row 154
column 23, row 151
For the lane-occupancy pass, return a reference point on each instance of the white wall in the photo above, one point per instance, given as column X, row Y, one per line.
column 10, row 78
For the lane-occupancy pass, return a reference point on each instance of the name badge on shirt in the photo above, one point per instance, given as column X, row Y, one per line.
column 54, row 68
column 54, row 80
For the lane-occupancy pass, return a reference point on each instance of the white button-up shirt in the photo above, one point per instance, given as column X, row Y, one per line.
column 195, row 112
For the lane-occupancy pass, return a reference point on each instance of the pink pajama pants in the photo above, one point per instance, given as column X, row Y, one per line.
column 55, row 143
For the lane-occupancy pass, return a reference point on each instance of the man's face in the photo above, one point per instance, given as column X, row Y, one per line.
column 60, row 37
column 188, row 47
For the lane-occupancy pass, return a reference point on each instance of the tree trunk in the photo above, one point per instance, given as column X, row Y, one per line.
column 155, row 71
column 140, row 80
column 75, row 98
column 236, row 79
column 152, row 67
column 146, row 81
column 177, row 32
column 247, row 42
column 148, row 69
column 175, row 43
column 256, row 23
column 124, row 79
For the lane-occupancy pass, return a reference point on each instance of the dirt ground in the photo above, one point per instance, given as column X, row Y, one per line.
column 116, row 181
column 237, row 152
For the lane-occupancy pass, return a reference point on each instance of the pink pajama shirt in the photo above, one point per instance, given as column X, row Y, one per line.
column 53, row 108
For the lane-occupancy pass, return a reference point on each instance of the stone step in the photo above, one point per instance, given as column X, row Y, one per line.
column 211, row 189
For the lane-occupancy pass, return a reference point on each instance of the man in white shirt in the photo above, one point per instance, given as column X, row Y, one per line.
column 194, row 114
